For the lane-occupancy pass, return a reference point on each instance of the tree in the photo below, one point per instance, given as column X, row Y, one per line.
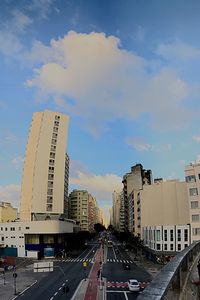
column 99, row 227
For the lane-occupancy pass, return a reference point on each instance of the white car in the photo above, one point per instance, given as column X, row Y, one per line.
column 133, row 285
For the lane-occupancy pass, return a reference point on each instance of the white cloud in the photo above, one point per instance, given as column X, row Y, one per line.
column 100, row 186
column 177, row 51
column 10, row 193
column 139, row 145
column 18, row 162
column 100, row 76
column 196, row 138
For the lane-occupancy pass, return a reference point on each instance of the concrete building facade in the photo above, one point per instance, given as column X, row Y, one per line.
column 116, row 203
column 192, row 178
column 7, row 212
column 44, row 189
column 163, row 212
column 78, row 208
column 135, row 180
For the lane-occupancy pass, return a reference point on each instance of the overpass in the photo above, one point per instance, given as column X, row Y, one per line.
column 174, row 279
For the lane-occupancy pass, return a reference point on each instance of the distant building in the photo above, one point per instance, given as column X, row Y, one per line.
column 78, row 208
column 116, row 204
column 134, row 180
column 192, row 177
column 44, row 183
column 7, row 212
column 91, row 212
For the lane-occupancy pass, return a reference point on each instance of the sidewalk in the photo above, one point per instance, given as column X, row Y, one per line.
column 94, row 287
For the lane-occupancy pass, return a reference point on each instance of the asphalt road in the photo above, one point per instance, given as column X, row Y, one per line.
column 117, row 277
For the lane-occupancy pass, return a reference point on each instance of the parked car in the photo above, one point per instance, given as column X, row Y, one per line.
column 126, row 266
column 133, row 285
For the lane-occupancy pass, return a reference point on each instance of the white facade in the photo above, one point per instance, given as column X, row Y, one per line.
column 42, row 191
column 171, row 238
column 192, row 177
column 12, row 234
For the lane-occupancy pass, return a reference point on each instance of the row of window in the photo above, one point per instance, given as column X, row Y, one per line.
column 49, row 204
column 193, row 192
column 171, row 247
column 13, row 228
column 168, row 235
column 191, row 178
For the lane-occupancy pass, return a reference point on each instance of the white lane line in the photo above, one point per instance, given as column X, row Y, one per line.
column 60, row 288
column 25, row 290
column 51, row 298
column 125, row 296
column 55, row 293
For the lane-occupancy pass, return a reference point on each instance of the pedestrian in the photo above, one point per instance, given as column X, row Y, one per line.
column 198, row 268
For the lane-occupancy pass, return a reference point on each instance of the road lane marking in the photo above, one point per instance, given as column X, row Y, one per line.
column 125, row 296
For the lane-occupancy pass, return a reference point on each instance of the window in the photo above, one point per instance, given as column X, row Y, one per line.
column 199, row 176
column 179, row 234
column 171, row 247
column 186, row 245
column 6, row 229
column 54, row 135
column 19, row 228
column 27, row 227
column 195, row 231
column 52, row 154
column 190, row 178
column 195, row 218
column 57, row 117
column 1, row 228
column 49, row 199
column 55, row 129
column 49, row 207
column 50, row 191
column 53, row 148
column 53, row 141
column 185, row 235
column 194, row 204
column 171, row 235
column 157, row 235
column 158, row 246
column 56, row 123
column 179, row 247
column 193, row 192
column 165, row 247
column 165, row 235
column 2, row 238
column 50, row 183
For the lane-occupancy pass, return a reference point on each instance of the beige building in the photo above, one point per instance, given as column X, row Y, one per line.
column 192, row 177
column 78, row 208
column 162, row 216
column 7, row 212
column 43, row 182
column 162, row 203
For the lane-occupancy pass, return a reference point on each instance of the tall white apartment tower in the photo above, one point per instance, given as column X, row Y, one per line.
column 43, row 182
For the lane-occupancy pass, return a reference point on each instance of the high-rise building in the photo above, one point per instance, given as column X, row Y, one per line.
column 78, row 208
column 44, row 187
column 116, row 198
column 133, row 180
column 192, row 177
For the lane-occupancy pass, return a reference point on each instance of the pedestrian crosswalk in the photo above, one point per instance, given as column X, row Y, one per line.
column 91, row 260
column 118, row 284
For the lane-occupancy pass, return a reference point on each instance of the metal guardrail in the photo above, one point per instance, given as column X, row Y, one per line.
column 169, row 281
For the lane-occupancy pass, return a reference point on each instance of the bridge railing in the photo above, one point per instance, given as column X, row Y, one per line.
column 169, row 281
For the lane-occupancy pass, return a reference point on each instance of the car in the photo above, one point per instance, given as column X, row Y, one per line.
column 133, row 285
column 126, row 266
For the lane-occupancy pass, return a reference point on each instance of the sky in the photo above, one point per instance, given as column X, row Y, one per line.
column 127, row 74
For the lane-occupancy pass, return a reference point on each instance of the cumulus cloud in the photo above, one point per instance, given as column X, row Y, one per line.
column 10, row 193
column 92, row 73
column 140, row 145
column 18, row 162
column 178, row 51
column 196, row 138
column 100, row 186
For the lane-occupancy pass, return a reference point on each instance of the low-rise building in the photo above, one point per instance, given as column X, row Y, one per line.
column 7, row 212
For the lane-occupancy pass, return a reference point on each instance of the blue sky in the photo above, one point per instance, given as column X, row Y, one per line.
column 127, row 74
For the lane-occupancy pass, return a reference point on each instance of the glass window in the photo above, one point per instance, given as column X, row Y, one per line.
column 179, row 234
column 185, row 235
column 186, row 245
column 194, row 204
column 195, row 218
column 165, row 235
column 190, row 178
column 157, row 235
column 179, row 247
column 193, row 192
column 171, row 235
column 49, row 207
column 171, row 247
column 165, row 247
column 195, row 231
